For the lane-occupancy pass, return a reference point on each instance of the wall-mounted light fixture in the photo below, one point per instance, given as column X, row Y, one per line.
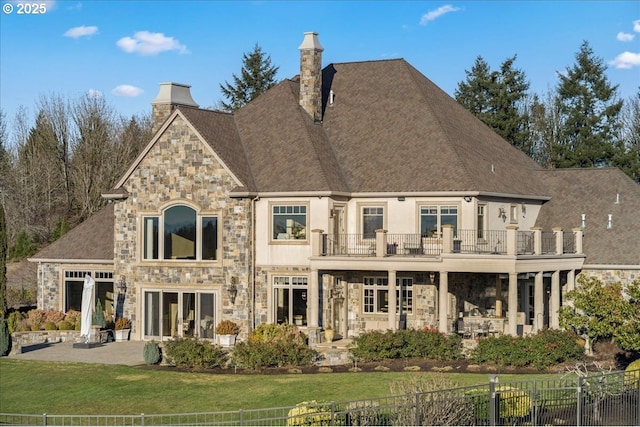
column 502, row 214
column 232, row 289
column 583, row 221
column 523, row 208
column 121, row 285
column 467, row 199
column 401, row 199
column 610, row 221
column 432, row 278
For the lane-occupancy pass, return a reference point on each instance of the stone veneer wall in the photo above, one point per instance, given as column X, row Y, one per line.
column 49, row 286
column 613, row 276
column 180, row 168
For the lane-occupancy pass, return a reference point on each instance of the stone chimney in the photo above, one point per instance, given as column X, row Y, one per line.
column 311, row 75
column 170, row 96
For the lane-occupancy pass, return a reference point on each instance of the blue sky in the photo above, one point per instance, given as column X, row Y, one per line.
column 122, row 50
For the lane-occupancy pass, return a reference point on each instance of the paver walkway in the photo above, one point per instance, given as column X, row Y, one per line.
column 115, row 353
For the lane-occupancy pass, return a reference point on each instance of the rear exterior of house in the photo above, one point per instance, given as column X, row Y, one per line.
column 357, row 197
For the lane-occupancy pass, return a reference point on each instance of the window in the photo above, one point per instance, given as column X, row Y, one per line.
column 182, row 234
column 513, row 214
column 432, row 218
column 290, row 295
column 372, row 220
column 481, row 224
column 102, row 290
column 376, row 294
column 289, row 222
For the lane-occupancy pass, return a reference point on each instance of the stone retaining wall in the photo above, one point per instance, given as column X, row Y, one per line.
column 21, row 341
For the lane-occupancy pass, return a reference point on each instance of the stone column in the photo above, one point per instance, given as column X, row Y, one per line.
column 393, row 301
column 512, row 309
column 443, row 302
column 559, row 240
column 512, row 239
column 537, row 240
column 498, row 296
column 577, row 232
column 314, row 308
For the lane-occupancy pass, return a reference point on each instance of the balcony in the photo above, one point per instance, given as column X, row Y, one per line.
column 484, row 242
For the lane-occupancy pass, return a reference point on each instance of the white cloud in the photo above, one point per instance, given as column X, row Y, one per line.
column 436, row 13
column 636, row 26
column 126, row 90
column 94, row 93
column 625, row 37
column 81, row 31
column 626, row 60
column 146, row 43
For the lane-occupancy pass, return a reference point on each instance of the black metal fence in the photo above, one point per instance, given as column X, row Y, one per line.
column 597, row 400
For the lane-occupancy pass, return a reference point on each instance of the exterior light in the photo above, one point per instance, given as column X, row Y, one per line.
column 121, row 285
column 233, row 290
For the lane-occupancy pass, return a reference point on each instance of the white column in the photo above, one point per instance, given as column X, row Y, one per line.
column 393, row 302
column 538, row 303
column 554, row 319
column 571, row 283
column 443, row 303
column 314, row 300
column 512, row 309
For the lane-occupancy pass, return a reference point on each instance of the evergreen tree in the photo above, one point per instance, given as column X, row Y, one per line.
column 256, row 77
column 5, row 336
column 498, row 99
column 589, row 113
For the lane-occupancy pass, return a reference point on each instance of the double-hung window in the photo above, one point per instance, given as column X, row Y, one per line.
column 289, row 222
column 482, row 222
column 180, row 233
column 433, row 217
column 290, row 296
column 376, row 294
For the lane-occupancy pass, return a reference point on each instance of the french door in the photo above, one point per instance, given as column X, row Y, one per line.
column 171, row 313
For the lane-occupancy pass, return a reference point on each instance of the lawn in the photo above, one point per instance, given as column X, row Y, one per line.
column 34, row 387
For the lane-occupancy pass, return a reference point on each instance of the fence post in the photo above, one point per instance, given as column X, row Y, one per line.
column 142, row 419
column 240, row 417
column 417, row 403
column 494, row 400
column 638, row 394
column 579, row 403
column 44, row 419
column 333, row 413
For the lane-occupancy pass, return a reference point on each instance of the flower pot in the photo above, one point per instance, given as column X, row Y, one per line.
column 328, row 335
column 227, row 340
column 122, row 334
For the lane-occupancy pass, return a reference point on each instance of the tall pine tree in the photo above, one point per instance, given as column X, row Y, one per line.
column 589, row 114
column 256, row 77
column 497, row 98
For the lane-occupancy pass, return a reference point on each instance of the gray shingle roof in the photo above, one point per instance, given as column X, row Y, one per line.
column 594, row 192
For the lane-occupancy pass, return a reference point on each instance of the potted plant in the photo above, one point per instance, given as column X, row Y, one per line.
column 123, row 327
column 328, row 334
column 226, row 331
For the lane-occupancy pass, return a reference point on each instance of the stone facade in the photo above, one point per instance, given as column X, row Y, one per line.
column 180, row 168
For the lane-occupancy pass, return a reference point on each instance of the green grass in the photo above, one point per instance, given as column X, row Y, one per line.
column 34, row 387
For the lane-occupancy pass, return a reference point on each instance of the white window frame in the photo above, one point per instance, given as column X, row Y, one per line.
column 481, row 221
column 199, row 218
column 373, row 287
column 440, row 212
column 294, row 233
column 292, row 284
column 361, row 215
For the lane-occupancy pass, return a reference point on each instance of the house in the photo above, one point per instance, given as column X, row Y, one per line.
column 357, row 196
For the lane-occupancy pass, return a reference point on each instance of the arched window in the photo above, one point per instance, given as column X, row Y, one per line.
column 182, row 234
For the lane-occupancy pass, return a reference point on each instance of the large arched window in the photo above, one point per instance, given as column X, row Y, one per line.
column 182, row 234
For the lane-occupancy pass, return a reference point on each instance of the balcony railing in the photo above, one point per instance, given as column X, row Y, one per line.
column 488, row 242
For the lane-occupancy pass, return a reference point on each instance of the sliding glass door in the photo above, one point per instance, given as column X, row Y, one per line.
column 172, row 313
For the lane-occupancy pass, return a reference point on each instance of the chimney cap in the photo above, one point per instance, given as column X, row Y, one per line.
column 174, row 94
column 310, row 42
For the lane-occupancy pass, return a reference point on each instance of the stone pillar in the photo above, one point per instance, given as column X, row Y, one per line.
column 577, row 232
column 512, row 239
column 571, row 284
column 443, row 302
column 538, row 303
column 537, row 240
column 316, row 242
column 498, row 296
column 393, row 301
column 554, row 319
column 314, row 300
column 311, row 75
column 381, row 243
column 447, row 238
column 559, row 240
column 512, row 308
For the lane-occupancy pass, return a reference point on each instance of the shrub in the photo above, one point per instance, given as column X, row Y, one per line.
column 98, row 316
column 54, row 316
column 632, row 374
column 122, row 323
column 427, row 343
column 13, row 321
column 74, row 317
column 193, row 353
column 514, row 403
column 65, row 326
column 274, row 345
column 35, row 318
column 547, row 348
column 227, row 327
column 50, row 326
column 5, row 337
column 151, row 353
column 311, row 413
